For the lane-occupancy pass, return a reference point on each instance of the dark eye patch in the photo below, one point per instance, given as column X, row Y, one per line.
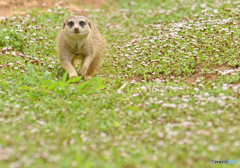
column 70, row 24
column 82, row 23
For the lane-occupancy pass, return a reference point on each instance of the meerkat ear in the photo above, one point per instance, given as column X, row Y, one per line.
column 63, row 25
column 89, row 25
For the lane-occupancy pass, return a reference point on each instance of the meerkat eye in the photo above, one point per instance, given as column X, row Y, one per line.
column 70, row 24
column 82, row 23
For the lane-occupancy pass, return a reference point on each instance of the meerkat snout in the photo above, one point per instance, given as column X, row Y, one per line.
column 76, row 29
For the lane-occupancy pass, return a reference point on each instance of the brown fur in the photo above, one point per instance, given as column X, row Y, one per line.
column 83, row 42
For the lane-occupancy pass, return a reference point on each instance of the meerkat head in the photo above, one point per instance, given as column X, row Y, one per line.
column 77, row 26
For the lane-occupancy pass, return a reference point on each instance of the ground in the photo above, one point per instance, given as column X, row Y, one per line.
column 10, row 7
column 166, row 93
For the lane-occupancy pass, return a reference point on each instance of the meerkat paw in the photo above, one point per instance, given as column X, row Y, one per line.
column 86, row 77
column 72, row 75
column 82, row 71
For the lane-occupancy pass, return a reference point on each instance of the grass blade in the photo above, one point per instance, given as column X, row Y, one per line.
column 30, row 70
column 31, row 80
column 75, row 79
column 64, row 77
column 53, row 86
column 46, row 75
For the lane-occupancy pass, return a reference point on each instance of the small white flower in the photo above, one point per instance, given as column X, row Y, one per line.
column 7, row 37
column 17, row 105
column 196, row 89
column 2, row 18
column 215, row 11
column 143, row 88
column 135, row 94
column 169, row 105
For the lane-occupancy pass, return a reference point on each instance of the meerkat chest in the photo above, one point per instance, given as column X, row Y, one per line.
column 78, row 49
column 77, row 55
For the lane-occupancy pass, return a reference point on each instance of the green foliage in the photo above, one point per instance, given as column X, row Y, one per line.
column 43, row 86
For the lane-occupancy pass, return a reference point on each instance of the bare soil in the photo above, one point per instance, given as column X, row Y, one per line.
column 10, row 7
column 192, row 78
column 209, row 76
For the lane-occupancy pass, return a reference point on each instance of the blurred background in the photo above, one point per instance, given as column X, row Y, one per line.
column 11, row 7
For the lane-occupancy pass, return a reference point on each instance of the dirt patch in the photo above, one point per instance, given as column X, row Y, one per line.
column 96, row 4
column 140, row 78
column 10, row 7
column 136, row 78
column 191, row 79
column 209, row 76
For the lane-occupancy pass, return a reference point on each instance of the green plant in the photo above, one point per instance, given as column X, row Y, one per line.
column 45, row 84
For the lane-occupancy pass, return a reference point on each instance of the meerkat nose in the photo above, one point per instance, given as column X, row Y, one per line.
column 76, row 29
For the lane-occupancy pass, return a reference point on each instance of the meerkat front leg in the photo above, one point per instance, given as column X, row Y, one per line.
column 66, row 63
column 74, row 63
column 85, row 64
column 93, row 67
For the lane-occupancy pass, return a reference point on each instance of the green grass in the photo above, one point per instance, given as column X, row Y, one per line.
column 140, row 111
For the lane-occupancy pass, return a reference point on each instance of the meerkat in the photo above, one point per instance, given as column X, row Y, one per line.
column 79, row 39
